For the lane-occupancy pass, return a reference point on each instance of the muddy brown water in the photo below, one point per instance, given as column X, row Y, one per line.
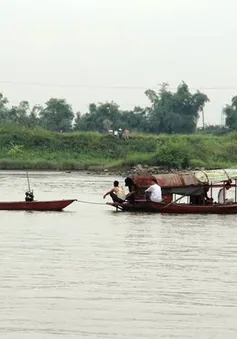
column 90, row 272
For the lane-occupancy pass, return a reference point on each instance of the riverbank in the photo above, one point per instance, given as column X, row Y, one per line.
column 38, row 149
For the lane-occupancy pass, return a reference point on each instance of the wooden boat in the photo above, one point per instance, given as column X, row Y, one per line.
column 176, row 186
column 52, row 205
column 147, row 206
column 33, row 205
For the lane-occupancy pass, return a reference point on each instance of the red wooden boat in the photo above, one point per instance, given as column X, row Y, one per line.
column 147, row 206
column 52, row 205
column 176, row 186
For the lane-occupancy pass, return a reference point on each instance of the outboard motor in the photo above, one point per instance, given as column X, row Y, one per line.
column 29, row 196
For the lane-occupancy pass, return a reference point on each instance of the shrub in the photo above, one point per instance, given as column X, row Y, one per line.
column 173, row 154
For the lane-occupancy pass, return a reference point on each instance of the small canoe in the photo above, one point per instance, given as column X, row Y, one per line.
column 52, row 205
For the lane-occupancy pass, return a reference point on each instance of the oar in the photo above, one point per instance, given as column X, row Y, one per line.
column 173, row 202
column 28, row 181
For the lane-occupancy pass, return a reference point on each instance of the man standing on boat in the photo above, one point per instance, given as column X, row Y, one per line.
column 153, row 192
column 117, row 193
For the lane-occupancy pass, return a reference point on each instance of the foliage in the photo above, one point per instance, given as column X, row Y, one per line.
column 175, row 112
column 101, row 117
column 230, row 112
column 3, row 108
column 169, row 112
column 213, row 129
column 173, row 153
column 15, row 151
column 57, row 115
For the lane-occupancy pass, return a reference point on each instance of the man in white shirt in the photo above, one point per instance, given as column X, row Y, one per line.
column 222, row 194
column 154, row 191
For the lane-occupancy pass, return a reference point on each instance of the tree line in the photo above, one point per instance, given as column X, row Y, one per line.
column 169, row 112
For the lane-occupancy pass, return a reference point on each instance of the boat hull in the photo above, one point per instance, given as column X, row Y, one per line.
column 155, row 207
column 53, row 205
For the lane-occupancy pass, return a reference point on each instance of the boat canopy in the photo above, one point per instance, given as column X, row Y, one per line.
column 170, row 180
column 176, row 183
column 186, row 183
column 184, row 179
column 215, row 176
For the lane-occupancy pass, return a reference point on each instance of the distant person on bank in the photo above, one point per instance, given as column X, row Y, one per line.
column 153, row 193
column 117, row 193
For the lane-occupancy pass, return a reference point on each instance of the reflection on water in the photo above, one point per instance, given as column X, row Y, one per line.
column 92, row 273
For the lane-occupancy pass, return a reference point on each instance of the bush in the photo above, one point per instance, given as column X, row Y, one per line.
column 173, row 154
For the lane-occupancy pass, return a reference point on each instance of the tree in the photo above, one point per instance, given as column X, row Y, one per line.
column 230, row 111
column 34, row 115
column 107, row 124
column 19, row 114
column 3, row 108
column 24, row 115
column 106, row 116
column 57, row 115
column 169, row 112
column 101, row 117
column 175, row 112
column 77, row 121
column 135, row 119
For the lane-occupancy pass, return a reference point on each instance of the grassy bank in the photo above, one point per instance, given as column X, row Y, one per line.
column 21, row 148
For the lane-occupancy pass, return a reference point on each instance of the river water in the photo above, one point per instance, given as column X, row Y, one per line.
column 90, row 272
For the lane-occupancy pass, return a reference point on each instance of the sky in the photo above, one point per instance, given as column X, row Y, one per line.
column 113, row 50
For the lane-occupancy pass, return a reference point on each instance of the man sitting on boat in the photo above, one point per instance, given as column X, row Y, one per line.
column 117, row 193
column 153, row 192
column 207, row 199
column 132, row 188
column 223, row 192
column 29, row 196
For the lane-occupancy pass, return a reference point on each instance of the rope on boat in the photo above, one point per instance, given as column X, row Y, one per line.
column 90, row 202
